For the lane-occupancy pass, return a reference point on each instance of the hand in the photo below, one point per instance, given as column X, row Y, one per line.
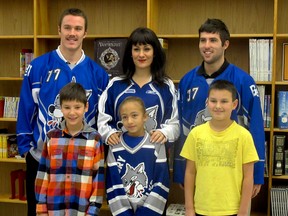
column 157, row 137
column 42, row 214
column 114, row 139
column 256, row 190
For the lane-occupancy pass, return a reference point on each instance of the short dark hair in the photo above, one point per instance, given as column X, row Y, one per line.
column 143, row 36
column 132, row 99
column 224, row 85
column 74, row 12
column 73, row 91
column 215, row 26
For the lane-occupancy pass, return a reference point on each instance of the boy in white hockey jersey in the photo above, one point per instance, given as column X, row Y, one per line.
column 137, row 175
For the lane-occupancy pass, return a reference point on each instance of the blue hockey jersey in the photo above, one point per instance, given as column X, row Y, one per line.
column 39, row 108
column 160, row 103
column 137, row 178
column 192, row 96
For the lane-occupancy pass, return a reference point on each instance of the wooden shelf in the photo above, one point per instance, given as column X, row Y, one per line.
column 12, row 160
column 11, row 78
column 5, row 198
column 8, row 120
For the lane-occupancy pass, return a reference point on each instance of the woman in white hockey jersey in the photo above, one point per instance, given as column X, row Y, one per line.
column 144, row 76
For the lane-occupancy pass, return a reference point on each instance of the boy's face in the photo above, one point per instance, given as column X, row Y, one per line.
column 133, row 118
column 72, row 32
column 73, row 112
column 221, row 105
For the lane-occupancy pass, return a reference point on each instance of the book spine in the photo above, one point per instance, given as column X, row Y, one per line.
column 1, row 146
column 285, row 62
column 282, row 103
column 279, row 142
column 4, row 147
column 286, row 162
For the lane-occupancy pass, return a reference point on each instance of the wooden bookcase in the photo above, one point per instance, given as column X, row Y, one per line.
column 33, row 24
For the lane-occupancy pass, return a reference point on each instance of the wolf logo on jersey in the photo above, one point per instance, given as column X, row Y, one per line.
column 151, row 122
column 135, row 180
column 202, row 117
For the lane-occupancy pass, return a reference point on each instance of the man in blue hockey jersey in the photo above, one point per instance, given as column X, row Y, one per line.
column 193, row 91
column 39, row 109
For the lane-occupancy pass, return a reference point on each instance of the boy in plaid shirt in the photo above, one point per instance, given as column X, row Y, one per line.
column 70, row 178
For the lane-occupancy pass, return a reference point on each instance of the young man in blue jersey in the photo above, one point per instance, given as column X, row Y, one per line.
column 39, row 105
column 193, row 92
column 137, row 175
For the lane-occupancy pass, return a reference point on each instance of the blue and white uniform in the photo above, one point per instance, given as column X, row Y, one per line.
column 137, row 178
column 192, row 97
column 160, row 103
column 39, row 108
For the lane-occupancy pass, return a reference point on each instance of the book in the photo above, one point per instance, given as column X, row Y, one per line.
column 109, row 53
column 282, row 109
column 286, row 162
column 26, row 56
column 8, row 145
column 1, row 146
column 1, row 106
column 285, row 62
column 4, row 146
column 266, row 168
column 279, row 197
column 268, row 114
column 175, row 210
column 278, row 153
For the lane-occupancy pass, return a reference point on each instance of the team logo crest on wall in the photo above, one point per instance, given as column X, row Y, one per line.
column 109, row 58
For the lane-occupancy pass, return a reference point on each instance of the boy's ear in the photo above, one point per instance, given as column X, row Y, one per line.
column 235, row 104
column 86, row 107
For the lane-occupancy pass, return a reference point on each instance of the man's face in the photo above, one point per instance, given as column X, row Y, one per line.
column 72, row 32
column 211, row 48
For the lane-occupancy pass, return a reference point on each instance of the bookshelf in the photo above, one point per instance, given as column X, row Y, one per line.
column 33, row 24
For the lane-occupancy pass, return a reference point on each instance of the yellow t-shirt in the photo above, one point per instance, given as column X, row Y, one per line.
column 219, row 157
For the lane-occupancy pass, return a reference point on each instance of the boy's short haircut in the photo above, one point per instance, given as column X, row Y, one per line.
column 73, row 91
column 224, row 85
column 132, row 99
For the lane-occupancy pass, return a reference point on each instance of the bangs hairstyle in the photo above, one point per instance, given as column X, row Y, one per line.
column 224, row 85
column 73, row 91
column 132, row 99
column 73, row 12
column 215, row 26
column 144, row 36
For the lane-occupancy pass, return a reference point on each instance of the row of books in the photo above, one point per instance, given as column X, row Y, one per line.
column 280, row 155
column 9, row 107
column 279, row 204
column 8, row 145
column 260, row 58
column 26, row 56
column 265, row 100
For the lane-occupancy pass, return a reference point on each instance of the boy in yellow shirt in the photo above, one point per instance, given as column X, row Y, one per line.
column 220, row 158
